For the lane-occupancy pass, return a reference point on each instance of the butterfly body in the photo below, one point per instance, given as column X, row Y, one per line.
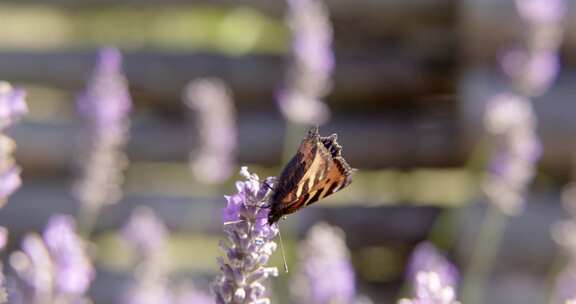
column 316, row 171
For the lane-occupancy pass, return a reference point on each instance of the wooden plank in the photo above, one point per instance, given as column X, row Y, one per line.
column 158, row 78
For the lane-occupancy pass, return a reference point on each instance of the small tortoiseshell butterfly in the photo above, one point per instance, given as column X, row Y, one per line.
column 316, row 171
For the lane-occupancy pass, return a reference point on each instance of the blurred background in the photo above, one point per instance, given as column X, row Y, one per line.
column 409, row 88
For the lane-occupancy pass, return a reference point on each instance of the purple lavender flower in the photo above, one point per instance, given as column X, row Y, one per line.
column 210, row 99
column 511, row 124
column 427, row 258
column 74, row 271
column 105, row 105
column 565, row 291
column 324, row 255
column 429, row 289
column 54, row 267
column 12, row 105
column 433, row 278
column 534, row 67
column 308, row 80
column 12, row 108
column 106, row 101
column 249, row 246
column 509, row 119
column 146, row 233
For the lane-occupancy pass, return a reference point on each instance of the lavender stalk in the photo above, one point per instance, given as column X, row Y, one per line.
column 308, row 79
column 324, row 254
column 12, row 108
column 510, row 123
column 250, row 244
column 104, row 105
column 214, row 160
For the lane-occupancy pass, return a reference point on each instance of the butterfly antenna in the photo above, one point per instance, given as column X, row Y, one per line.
column 282, row 251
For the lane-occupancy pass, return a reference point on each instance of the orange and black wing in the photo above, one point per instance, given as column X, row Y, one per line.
column 316, row 171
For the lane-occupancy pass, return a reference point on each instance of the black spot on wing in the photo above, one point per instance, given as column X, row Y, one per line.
column 316, row 197
column 332, row 187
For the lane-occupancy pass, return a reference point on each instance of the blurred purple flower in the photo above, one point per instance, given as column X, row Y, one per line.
column 12, row 105
column 147, row 235
column 210, row 99
column 249, row 246
column 509, row 118
column 433, row 278
column 105, row 105
column 324, row 255
column 429, row 289
column 427, row 258
column 106, row 101
column 56, row 267
column 541, row 11
column 12, row 108
column 74, row 271
column 308, row 80
column 565, row 291
column 510, row 123
column 534, row 66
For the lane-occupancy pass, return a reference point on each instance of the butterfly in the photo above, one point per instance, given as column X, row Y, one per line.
column 316, row 171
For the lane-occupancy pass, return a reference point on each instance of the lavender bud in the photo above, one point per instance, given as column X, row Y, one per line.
column 250, row 245
column 324, row 255
column 210, row 99
column 308, row 80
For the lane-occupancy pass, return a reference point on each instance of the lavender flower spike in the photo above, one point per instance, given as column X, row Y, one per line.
column 308, row 80
column 433, row 278
column 147, row 235
column 324, row 255
column 12, row 108
column 104, row 105
column 211, row 100
column 54, row 267
column 249, row 246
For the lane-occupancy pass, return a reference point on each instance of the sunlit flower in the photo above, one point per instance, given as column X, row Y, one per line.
column 214, row 160
column 308, row 79
column 326, row 275
column 243, row 272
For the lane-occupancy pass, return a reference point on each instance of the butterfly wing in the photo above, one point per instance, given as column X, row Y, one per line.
column 316, row 171
column 330, row 178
